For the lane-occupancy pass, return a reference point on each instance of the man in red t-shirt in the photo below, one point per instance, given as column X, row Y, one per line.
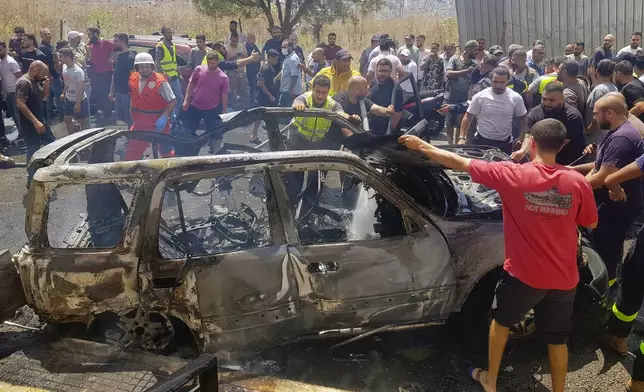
column 100, row 61
column 543, row 203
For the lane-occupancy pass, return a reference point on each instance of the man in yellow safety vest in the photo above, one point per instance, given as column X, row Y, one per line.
column 166, row 64
column 309, row 133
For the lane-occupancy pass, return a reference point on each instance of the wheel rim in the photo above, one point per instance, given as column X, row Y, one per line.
column 150, row 331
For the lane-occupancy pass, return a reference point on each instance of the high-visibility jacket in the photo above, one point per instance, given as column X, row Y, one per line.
column 546, row 80
column 146, row 107
column 208, row 51
column 168, row 63
column 314, row 128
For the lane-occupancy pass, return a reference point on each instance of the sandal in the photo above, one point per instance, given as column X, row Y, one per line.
column 255, row 141
column 475, row 375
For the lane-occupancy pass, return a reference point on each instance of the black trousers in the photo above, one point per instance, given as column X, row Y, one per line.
column 608, row 237
column 631, row 290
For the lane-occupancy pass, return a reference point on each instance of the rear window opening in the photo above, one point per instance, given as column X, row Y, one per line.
column 88, row 216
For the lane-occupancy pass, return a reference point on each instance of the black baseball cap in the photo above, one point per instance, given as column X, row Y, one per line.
column 343, row 54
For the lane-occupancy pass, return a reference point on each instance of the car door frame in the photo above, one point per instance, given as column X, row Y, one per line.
column 433, row 301
column 225, row 333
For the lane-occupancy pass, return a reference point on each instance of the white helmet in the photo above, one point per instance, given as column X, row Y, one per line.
column 143, row 58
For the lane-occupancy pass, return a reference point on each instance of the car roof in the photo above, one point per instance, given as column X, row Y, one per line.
column 153, row 39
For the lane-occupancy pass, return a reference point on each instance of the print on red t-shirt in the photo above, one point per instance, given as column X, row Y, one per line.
column 542, row 207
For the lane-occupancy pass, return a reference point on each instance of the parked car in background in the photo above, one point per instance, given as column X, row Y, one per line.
column 147, row 43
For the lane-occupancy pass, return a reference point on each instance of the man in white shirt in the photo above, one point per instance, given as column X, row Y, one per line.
column 636, row 39
column 495, row 108
column 398, row 70
column 410, row 67
column 9, row 75
column 376, row 51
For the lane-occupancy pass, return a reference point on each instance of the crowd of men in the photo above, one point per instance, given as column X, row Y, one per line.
column 575, row 121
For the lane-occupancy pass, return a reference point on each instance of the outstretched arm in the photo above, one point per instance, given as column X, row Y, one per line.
column 445, row 158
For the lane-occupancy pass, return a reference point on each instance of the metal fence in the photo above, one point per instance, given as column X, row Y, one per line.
column 557, row 22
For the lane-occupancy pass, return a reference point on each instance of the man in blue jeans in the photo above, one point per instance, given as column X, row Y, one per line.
column 30, row 91
column 120, row 91
column 166, row 63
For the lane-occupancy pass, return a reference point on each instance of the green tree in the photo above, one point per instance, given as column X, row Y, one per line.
column 288, row 13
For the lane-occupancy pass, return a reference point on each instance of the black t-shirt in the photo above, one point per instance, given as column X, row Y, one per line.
column 123, row 65
column 349, row 107
column 228, row 65
column 634, row 93
column 48, row 51
column 267, row 74
column 26, row 58
column 381, row 95
column 31, row 91
column 275, row 44
column 574, row 122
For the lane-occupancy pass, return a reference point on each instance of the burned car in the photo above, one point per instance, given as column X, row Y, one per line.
column 219, row 247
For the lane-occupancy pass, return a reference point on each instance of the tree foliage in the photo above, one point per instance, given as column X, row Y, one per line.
column 288, row 13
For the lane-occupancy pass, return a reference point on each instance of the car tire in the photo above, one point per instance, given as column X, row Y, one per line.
column 473, row 319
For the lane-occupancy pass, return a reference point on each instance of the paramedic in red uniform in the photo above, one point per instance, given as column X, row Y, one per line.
column 151, row 102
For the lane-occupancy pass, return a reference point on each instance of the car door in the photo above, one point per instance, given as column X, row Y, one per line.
column 224, row 228
column 363, row 254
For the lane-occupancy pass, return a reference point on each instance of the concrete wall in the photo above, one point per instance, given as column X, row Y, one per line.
column 557, row 22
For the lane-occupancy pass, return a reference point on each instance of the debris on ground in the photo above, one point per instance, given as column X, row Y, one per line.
column 508, row 369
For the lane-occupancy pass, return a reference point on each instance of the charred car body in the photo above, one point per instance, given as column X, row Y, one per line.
column 214, row 245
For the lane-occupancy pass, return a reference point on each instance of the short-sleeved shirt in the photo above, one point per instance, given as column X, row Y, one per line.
column 599, row 91
column 123, row 66
column 28, row 57
column 275, row 44
column 414, row 54
column 576, row 95
column 31, row 91
column 101, row 53
column 542, row 207
column 634, row 93
column 48, row 51
column 377, row 51
column 290, row 70
column 433, row 76
column 456, row 90
column 411, row 68
column 619, row 148
column 208, row 87
column 73, row 76
column 396, row 65
column 628, row 49
column 381, row 95
column 196, row 57
column 235, row 53
column 599, row 54
column 574, row 123
column 330, row 52
column 267, row 75
column 496, row 112
column 583, row 63
column 8, row 69
column 640, row 162
column 350, row 107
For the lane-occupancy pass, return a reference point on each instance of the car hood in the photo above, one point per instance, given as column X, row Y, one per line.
column 447, row 192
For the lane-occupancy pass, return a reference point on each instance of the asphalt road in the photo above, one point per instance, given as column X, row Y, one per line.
column 429, row 358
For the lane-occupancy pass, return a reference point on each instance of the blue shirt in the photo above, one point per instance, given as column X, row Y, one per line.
column 289, row 70
column 536, row 67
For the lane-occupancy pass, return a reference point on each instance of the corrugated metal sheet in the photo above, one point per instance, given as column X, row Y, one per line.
column 557, row 22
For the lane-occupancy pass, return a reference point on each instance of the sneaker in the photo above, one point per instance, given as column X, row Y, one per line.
column 635, row 386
